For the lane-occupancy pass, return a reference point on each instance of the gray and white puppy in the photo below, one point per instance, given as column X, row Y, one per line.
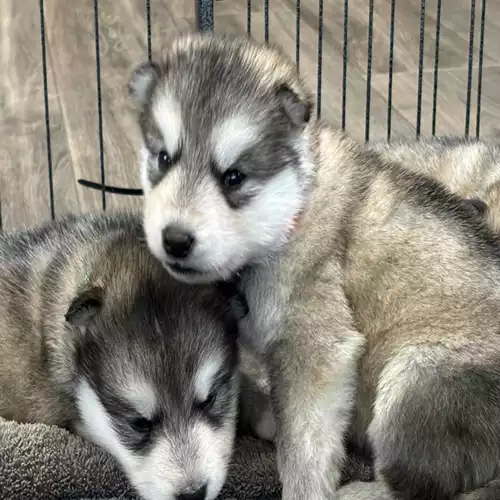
column 96, row 337
column 373, row 293
column 468, row 167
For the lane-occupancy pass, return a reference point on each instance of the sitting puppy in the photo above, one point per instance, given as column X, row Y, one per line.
column 373, row 292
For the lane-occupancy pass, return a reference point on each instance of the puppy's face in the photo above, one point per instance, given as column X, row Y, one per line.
column 222, row 159
column 156, row 385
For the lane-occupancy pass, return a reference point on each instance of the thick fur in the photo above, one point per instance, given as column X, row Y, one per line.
column 94, row 335
column 373, row 292
column 468, row 167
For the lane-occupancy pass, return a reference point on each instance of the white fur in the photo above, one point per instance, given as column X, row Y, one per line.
column 167, row 114
column 97, row 427
column 144, row 166
column 226, row 239
column 141, row 395
column 174, row 467
column 197, row 456
column 231, row 138
column 204, row 378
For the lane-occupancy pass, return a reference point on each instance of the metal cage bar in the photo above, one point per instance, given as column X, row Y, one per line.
column 391, row 69
column 297, row 34
column 47, row 110
column 148, row 23
column 436, row 67
column 320, row 59
column 249, row 17
column 469, row 69
column 344, row 63
column 99, row 103
column 480, row 69
column 369, row 72
column 204, row 21
column 204, row 12
column 266, row 20
column 418, row 126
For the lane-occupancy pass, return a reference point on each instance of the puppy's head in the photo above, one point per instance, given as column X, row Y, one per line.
column 156, row 384
column 223, row 160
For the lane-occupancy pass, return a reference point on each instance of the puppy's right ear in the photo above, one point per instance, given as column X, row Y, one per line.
column 142, row 82
column 476, row 205
column 298, row 110
column 84, row 307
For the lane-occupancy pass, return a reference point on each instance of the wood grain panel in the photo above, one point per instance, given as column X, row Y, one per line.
column 23, row 155
column 123, row 37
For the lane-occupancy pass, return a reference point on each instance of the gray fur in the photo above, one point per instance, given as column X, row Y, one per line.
column 373, row 292
column 85, row 305
column 468, row 167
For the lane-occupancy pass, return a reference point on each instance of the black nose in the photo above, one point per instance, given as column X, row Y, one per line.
column 177, row 242
column 197, row 495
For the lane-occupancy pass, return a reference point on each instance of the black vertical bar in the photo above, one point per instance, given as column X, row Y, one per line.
column 99, row 100
column 266, row 20
column 204, row 12
column 480, row 69
column 391, row 69
column 469, row 70
column 46, row 105
column 436, row 67
column 420, row 68
column 148, row 20
column 249, row 16
column 344, row 63
column 369, row 73
column 297, row 35
column 320, row 59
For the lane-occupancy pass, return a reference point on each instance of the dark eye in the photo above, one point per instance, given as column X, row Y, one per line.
column 208, row 403
column 233, row 178
column 141, row 425
column 164, row 161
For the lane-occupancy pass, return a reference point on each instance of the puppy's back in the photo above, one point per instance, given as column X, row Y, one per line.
column 39, row 269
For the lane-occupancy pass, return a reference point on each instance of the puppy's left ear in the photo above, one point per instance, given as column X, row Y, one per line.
column 298, row 111
column 84, row 307
column 142, row 82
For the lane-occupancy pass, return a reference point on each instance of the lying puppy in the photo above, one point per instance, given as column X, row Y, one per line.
column 96, row 337
column 468, row 167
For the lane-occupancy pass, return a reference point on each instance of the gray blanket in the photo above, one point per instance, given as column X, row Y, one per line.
column 42, row 462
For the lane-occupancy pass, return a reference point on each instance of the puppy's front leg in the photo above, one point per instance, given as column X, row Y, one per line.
column 313, row 367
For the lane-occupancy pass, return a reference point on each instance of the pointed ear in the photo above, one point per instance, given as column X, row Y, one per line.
column 142, row 82
column 476, row 205
column 298, row 111
column 84, row 307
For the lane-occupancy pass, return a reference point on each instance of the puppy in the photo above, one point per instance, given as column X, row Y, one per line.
column 373, row 292
column 96, row 337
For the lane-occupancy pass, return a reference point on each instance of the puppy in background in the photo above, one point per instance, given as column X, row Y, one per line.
column 468, row 167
